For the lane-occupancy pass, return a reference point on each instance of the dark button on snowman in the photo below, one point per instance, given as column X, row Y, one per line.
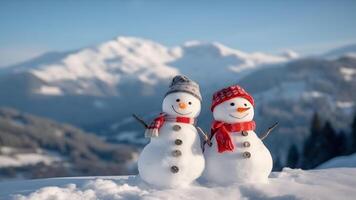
column 237, row 154
column 178, row 142
column 174, row 158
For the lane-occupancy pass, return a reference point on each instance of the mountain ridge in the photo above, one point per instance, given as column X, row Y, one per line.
column 111, row 64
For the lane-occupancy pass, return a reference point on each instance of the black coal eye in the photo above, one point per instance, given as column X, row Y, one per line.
column 177, row 100
column 190, row 103
column 232, row 104
column 245, row 104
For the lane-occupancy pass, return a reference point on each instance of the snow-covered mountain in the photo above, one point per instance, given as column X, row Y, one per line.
column 108, row 64
column 327, row 184
column 103, row 69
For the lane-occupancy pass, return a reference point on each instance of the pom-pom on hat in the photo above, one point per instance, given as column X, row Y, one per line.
column 182, row 83
column 228, row 93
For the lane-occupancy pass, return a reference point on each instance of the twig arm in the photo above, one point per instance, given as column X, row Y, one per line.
column 265, row 135
column 140, row 120
column 205, row 136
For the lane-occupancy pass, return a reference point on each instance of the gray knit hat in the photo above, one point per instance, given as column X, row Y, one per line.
column 181, row 83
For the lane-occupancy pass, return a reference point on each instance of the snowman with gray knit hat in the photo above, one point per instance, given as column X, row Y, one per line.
column 174, row 157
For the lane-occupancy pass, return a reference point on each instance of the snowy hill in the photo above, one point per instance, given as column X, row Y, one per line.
column 341, row 161
column 33, row 147
column 288, row 184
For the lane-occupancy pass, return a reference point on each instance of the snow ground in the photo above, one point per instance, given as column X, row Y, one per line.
column 336, row 183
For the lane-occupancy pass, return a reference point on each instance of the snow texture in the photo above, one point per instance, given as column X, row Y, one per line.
column 289, row 184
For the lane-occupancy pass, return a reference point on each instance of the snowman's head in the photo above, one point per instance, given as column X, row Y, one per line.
column 232, row 105
column 234, row 110
column 181, row 104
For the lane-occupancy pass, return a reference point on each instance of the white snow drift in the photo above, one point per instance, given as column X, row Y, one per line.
column 288, row 184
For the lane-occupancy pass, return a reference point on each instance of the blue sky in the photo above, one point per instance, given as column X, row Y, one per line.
column 29, row 28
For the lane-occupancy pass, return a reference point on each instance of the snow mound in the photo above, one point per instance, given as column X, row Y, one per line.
column 341, row 161
column 289, row 184
column 95, row 189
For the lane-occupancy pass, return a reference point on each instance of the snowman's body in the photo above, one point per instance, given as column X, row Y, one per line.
column 174, row 157
column 248, row 160
column 160, row 155
column 236, row 167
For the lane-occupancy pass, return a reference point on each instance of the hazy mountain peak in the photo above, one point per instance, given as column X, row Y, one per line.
column 110, row 63
column 348, row 50
column 290, row 54
column 212, row 47
column 134, row 60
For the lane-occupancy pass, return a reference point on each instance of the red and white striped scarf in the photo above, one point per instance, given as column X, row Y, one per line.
column 157, row 123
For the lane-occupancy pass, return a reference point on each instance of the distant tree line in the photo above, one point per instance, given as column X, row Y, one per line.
column 323, row 143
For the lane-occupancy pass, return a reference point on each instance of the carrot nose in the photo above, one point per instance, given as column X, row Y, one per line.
column 182, row 105
column 241, row 109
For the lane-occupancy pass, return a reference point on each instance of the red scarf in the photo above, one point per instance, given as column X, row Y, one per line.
column 223, row 130
column 157, row 123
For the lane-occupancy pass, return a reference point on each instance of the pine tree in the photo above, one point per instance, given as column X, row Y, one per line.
column 316, row 124
column 293, row 157
column 325, row 143
column 312, row 143
column 277, row 166
column 341, row 144
column 353, row 134
column 329, row 144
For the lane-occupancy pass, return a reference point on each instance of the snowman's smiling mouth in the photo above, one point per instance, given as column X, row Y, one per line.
column 238, row 117
column 179, row 112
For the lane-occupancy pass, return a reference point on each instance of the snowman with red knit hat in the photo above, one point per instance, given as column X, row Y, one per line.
column 237, row 154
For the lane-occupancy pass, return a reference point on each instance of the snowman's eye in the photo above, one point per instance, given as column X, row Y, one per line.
column 245, row 104
column 232, row 104
column 177, row 100
column 190, row 103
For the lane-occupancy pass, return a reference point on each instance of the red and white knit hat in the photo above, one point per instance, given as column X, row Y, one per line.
column 229, row 93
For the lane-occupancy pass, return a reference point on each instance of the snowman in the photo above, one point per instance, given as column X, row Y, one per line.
column 237, row 155
column 174, row 157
